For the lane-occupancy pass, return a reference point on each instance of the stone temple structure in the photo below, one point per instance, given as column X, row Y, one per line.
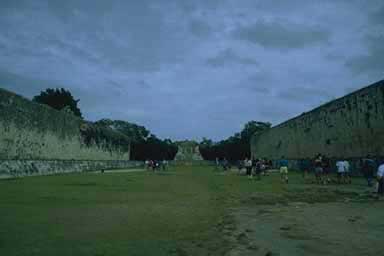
column 349, row 127
column 188, row 151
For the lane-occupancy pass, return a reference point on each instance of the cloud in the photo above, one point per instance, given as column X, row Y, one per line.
column 305, row 94
column 257, row 83
column 228, row 57
column 188, row 69
column 28, row 87
column 281, row 35
column 373, row 60
column 200, row 28
column 377, row 16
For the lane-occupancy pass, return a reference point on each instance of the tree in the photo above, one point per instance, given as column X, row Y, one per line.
column 144, row 144
column 235, row 147
column 253, row 127
column 58, row 99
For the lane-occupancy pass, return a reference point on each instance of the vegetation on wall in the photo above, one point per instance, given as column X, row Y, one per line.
column 59, row 99
column 94, row 134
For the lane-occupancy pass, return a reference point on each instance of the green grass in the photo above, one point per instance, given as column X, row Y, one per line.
column 180, row 212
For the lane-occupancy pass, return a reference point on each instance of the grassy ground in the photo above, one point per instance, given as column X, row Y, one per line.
column 183, row 211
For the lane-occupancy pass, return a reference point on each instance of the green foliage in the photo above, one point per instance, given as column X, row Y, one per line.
column 253, row 127
column 235, row 147
column 144, row 144
column 58, row 99
column 137, row 133
column 103, row 136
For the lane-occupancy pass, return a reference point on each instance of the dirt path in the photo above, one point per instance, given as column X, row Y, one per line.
column 120, row 171
column 309, row 229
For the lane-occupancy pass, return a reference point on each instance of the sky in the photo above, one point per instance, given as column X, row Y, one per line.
column 187, row 69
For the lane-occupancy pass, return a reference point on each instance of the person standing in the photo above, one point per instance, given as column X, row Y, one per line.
column 217, row 162
column 248, row 167
column 258, row 168
column 304, row 167
column 380, row 180
column 318, row 168
column 347, row 173
column 368, row 169
column 164, row 164
column 340, row 171
column 239, row 166
column 283, row 163
column 326, row 169
column 225, row 164
column 254, row 166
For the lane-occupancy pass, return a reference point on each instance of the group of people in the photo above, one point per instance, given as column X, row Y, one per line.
column 322, row 168
column 224, row 164
column 155, row 165
column 255, row 167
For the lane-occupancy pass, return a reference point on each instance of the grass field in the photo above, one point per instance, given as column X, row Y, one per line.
column 182, row 211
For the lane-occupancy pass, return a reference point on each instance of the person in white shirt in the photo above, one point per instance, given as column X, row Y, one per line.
column 380, row 180
column 340, row 171
column 248, row 167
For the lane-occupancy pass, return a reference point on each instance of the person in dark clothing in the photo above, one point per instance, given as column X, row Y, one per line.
column 248, row 167
column 258, row 168
column 305, row 164
column 318, row 163
column 225, row 164
column 326, row 162
column 239, row 165
column 368, row 169
column 254, row 164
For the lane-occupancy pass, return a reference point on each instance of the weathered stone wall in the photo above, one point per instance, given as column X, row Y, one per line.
column 31, row 131
column 348, row 127
column 16, row 168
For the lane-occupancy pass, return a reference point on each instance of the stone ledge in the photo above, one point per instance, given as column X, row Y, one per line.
column 20, row 168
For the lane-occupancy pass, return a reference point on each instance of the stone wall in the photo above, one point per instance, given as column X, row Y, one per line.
column 36, row 132
column 348, row 127
column 16, row 168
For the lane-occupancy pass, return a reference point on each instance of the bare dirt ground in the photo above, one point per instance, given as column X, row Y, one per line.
column 297, row 228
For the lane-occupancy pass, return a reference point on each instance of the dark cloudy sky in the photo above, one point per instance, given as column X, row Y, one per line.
column 192, row 68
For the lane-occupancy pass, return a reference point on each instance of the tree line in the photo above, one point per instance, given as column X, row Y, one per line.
column 234, row 148
column 145, row 145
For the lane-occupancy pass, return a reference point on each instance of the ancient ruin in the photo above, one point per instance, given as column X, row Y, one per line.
column 36, row 139
column 188, row 151
column 349, row 127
